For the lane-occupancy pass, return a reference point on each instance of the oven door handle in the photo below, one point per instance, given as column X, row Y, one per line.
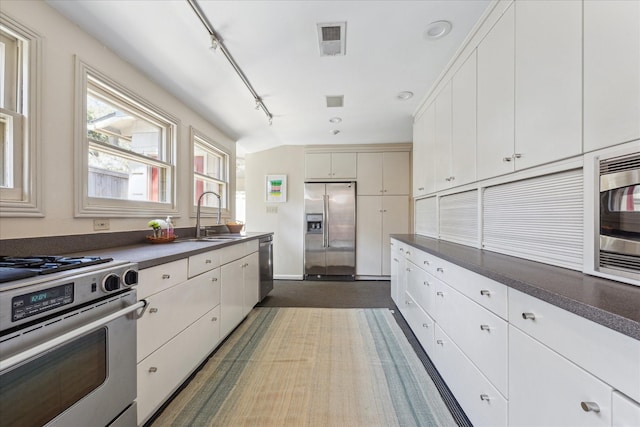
column 71, row 335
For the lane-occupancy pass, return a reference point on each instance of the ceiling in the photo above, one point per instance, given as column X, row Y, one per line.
column 275, row 43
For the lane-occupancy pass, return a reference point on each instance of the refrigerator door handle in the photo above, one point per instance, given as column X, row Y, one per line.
column 324, row 220
column 327, row 221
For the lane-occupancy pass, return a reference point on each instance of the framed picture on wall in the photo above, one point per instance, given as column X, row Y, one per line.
column 276, row 191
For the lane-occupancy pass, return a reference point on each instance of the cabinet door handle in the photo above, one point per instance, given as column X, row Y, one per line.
column 485, row 292
column 530, row 316
column 485, row 397
column 506, row 159
column 408, row 253
column 153, row 369
column 408, row 269
column 517, row 155
column 396, row 259
column 440, row 342
column 420, row 188
column 590, row 406
column 440, row 294
column 426, row 283
column 214, row 279
column 440, row 269
column 401, row 250
column 207, row 261
column 408, row 302
column 213, row 319
column 425, row 325
column 426, row 263
column 153, row 310
column 485, row 327
column 166, row 276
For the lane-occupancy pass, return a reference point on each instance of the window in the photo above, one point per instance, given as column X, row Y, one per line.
column 210, row 173
column 19, row 136
column 128, row 145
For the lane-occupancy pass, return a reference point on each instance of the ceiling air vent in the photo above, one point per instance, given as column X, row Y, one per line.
column 335, row 101
column 332, row 38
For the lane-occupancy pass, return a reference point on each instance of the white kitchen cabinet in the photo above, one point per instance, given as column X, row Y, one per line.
column 545, row 389
column 251, row 282
column 330, row 165
column 481, row 402
column 231, row 296
column 496, row 94
column 420, row 323
column 377, row 218
column 463, row 130
column 384, row 173
column 626, row 412
column 548, row 81
column 160, row 374
column 161, row 277
column 394, row 270
column 442, row 152
column 611, row 73
column 424, row 137
column 171, row 311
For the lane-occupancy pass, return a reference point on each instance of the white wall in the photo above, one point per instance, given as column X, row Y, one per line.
column 287, row 223
column 61, row 41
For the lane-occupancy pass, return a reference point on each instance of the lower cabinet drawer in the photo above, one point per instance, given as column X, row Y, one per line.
column 480, row 400
column 420, row 323
column 480, row 334
column 421, row 285
column 156, row 279
column 626, row 412
column 160, row 374
column 545, row 389
column 172, row 310
column 607, row 354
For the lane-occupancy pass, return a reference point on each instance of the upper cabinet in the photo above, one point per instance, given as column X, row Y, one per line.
column 443, row 153
column 463, row 130
column 330, row 165
column 611, row 73
column 548, row 81
column 383, row 173
column 424, row 137
column 496, row 114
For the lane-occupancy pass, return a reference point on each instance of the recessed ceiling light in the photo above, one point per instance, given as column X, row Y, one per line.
column 335, row 132
column 437, row 29
column 335, row 119
column 403, row 96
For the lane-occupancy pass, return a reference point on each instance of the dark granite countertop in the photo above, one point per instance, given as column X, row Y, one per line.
column 149, row 255
column 609, row 303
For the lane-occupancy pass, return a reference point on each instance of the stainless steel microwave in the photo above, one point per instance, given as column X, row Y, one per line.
column 619, row 242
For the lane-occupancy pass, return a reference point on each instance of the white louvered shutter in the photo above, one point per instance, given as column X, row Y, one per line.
column 426, row 217
column 459, row 218
column 540, row 219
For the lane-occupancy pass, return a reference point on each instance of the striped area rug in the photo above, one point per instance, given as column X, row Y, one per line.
column 311, row 367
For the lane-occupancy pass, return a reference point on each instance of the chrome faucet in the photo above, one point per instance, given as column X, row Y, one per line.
column 198, row 210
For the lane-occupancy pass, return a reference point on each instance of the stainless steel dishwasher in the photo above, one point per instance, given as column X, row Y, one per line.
column 266, row 265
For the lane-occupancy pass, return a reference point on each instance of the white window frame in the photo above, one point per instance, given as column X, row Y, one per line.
column 24, row 199
column 86, row 206
column 208, row 144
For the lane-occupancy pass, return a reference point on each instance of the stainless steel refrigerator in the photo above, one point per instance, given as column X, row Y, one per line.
column 330, row 236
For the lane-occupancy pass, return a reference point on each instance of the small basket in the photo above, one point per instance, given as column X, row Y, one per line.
column 161, row 239
column 235, row 226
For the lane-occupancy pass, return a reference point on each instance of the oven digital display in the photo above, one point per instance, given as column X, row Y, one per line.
column 28, row 305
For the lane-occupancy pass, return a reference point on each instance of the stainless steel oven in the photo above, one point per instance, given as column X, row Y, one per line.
column 619, row 216
column 68, row 348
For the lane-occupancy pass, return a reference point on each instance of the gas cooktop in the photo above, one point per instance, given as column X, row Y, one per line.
column 14, row 268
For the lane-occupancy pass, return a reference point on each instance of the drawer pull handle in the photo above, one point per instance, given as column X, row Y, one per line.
column 485, row 397
column 409, row 303
column 420, row 188
column 485, row 327
column 440, row 294
column 426, row 283
column 426, row 263
column 485, row 292
column 395, row 259
column 506, row 159
column 153, row 310
column 440, row 342
column 528, row 316
column 213, row 319
column 590, row 406
column 214, row 279
column 408, row 253
column 166, row 276
column 440, row 269
column 153, row 369
column 425, row 325
column 207, row 261
column 408, row 269
column 401, row 250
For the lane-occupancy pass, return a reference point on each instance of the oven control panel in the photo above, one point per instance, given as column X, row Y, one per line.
column 34, row 303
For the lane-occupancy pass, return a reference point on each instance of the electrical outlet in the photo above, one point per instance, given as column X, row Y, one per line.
column 100, row 224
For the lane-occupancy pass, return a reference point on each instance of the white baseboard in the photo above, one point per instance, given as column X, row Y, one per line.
column 288, row 277
column 373, row 277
